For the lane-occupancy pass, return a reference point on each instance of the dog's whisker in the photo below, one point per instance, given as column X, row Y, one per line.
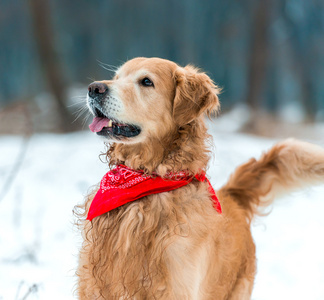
column 82, row 110
column 85, row 119
column 107, row 67
column 78, row 103
column 91, row 78
column 79, row 97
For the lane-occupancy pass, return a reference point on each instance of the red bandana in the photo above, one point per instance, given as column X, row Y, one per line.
column 122, row 185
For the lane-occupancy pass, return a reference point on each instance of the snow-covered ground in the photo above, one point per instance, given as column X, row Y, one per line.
column 39, row 242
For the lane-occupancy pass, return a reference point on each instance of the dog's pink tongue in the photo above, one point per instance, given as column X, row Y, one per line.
column 98, row 123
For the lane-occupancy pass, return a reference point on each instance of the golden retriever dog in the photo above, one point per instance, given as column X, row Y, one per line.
column 175, row 244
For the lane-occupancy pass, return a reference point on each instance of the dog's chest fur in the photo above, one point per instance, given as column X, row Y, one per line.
column 160, row 245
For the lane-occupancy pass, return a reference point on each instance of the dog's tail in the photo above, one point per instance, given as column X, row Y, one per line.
column 288, row 165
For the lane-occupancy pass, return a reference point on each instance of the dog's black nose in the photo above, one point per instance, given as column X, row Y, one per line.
column 97, row 90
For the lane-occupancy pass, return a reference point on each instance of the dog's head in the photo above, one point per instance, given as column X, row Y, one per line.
column 149, row 97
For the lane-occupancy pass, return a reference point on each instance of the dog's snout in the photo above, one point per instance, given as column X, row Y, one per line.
column 97, row 90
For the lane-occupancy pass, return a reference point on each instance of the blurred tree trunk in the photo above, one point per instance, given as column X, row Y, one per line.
column 44, row 35
column 302, row 51
column 258, row 53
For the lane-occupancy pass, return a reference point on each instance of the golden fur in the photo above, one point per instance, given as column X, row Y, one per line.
column 175, row 245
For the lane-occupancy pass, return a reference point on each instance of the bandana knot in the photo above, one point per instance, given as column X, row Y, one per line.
column 122, row 185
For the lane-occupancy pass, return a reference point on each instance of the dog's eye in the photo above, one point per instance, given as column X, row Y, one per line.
column 146, row 82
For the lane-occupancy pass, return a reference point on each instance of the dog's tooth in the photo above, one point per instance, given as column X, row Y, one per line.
column 110, row 123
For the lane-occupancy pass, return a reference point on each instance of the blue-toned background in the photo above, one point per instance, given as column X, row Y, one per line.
column 267, row 54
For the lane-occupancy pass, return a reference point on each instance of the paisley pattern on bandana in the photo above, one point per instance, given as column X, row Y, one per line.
column 122, row 177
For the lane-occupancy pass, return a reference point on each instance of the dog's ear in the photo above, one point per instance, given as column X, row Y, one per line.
column 195, row 94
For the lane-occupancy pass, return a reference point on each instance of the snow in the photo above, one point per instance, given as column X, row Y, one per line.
column 39, row 242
